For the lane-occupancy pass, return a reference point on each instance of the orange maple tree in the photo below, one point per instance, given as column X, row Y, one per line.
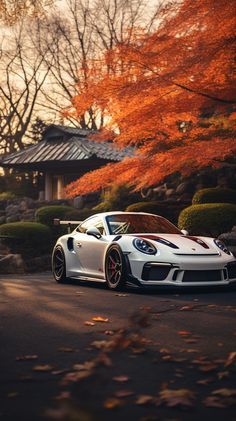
column 169, row 94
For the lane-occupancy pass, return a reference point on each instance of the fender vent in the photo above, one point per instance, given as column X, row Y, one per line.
column 70, row 244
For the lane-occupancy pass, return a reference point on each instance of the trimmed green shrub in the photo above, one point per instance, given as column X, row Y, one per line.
column 31, row 238
column 209, row 219
column 157, row 208
column 214, row 195
column 46, row 214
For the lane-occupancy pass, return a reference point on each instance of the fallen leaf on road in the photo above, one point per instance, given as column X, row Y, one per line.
column 112, row 403
column 179, row 397
column 66, row 349
column 184, row 333
column 58, row 372
column 27, row 357
column 214, row 402
column 101, row 344
column 224, row 392
column 190, row 340
column 120, row 379
column 221, row 398
column 190, row 350
column 75, row 376
column 109, row 332
column 165, row 351
column 88, row 365
column 144, row 399
column 208, row 367
column 138, row 350
column 230, row 359
column 100, row 319
column 123, row 393
column 43, row 368
column 202, row 360
column 87, row 323
column 206, row 381
column 186, row 308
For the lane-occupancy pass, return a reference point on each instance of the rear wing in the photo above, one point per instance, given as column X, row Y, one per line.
column 58, row 222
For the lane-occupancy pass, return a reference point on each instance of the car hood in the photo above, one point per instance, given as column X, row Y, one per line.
column 181, row 244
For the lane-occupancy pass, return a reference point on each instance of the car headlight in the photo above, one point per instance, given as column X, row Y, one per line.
column 221, row 246
column 144, row 246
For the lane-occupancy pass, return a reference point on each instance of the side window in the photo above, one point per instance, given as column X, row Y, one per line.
column 99, row 225
column 93, row 222
column 84, row 226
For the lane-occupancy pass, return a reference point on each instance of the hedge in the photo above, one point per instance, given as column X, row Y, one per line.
column 46, row 214
column 214, row 195
column 209, row 219
column 30, row 238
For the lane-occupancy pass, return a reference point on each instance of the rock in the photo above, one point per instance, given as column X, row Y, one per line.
column 185, row 187
column 38, row 264
column 170, row 192
column 13, row 218
column 2, row 220
column 3, row 204
column 12, row 210
column 78, row 202
column 29, row 215
column 12, row 263
column 23, row 206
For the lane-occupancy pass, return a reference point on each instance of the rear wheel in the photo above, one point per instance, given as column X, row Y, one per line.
column 59, row 264
column 115, row 268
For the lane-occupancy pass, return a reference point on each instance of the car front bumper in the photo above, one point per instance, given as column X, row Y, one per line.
column 187, row 271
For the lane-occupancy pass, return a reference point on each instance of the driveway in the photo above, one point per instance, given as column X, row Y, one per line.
column 81, row 352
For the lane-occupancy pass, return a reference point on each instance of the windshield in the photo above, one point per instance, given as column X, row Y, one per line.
column 139, row 223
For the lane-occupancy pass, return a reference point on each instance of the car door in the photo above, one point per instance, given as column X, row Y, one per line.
column 90, row 250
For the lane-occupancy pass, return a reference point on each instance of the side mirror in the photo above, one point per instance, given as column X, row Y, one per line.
column 94, row 231
column 185, row 232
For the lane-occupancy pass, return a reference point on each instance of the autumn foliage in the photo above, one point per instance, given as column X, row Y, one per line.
column 170, row 94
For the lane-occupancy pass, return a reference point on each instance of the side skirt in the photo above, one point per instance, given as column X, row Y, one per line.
column 88, row 278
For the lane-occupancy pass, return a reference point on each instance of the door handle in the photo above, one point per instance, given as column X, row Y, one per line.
column 79, row 244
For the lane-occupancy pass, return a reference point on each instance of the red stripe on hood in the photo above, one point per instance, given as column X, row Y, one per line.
column 198, row 241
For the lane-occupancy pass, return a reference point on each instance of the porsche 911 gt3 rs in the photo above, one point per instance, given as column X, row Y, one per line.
column 142, row 249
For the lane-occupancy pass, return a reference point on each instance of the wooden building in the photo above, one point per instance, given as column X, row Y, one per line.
column 63, row 155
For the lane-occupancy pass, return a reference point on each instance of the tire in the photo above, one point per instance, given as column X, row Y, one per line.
column 59, row 264
column 115, row 268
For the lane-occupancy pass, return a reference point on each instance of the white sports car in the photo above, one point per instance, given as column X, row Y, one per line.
column 142, row 249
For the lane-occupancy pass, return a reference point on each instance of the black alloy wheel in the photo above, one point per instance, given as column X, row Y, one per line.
column 59, row 264
column 115, row 268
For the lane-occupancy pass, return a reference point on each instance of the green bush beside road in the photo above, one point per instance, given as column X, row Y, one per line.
column 210, row 219
column 29, row 238
column 214, row 195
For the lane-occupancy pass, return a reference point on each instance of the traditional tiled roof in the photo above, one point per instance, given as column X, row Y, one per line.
column 75, row 148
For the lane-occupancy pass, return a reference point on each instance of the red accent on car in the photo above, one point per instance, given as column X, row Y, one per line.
column 198, row 241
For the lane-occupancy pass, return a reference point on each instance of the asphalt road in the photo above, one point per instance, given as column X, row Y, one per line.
column 47, row 333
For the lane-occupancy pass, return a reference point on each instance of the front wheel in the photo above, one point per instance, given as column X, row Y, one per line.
column 115, row 268
column 59, row 264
